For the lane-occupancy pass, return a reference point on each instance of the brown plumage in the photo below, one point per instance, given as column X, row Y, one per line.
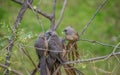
column 72, row 36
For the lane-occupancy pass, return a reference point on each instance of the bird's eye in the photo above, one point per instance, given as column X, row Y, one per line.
column 65, row 30
column 50, row 33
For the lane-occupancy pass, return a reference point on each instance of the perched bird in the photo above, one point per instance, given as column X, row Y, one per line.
column 41, row 47
column 55, row 51
column 72, row 36
column 54, row 45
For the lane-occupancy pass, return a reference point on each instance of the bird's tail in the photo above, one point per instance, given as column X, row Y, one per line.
column 73, row 54
column 71, row 70
column 43, row 66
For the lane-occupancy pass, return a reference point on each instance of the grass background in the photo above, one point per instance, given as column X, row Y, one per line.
column 104, row 28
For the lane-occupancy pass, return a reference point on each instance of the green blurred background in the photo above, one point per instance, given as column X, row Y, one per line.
column 104, row 28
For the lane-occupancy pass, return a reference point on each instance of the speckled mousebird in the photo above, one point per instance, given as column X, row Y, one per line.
column 72, row 36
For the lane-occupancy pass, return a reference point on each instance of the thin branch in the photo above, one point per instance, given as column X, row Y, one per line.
column 53, row 15
column 35, row 69
column 115, row 48
column 97, row 42
column 61, row 15
column 36, row 10
column 27, row 54
column 12, row 70
column 93, row 59
column 12, row 39
column 102, row 71
column 37, row 16
column 42, row 49
column 91, row 19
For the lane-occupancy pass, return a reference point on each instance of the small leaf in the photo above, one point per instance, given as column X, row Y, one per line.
column 9, row 68
column 34, row 7
column 83, row 66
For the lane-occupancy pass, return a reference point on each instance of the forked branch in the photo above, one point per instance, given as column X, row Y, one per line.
column 35, row 9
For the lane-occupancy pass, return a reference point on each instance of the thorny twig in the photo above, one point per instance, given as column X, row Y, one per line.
column 91, row 19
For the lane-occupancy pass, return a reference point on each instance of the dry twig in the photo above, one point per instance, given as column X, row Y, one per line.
column 91, row 19
column 97, row 42
column 12, row 70
column 61, row 15
column 93, row 59
column 53, row 16
column 37, row 10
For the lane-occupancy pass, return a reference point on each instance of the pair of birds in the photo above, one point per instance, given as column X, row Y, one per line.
column 49, row 48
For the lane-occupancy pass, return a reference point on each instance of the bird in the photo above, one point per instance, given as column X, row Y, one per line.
column 72, row 36
column 54, row 45
column 41, row 47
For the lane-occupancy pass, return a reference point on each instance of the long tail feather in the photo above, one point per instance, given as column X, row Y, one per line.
column 43, row 66
column 73, row 54
column 71, row 70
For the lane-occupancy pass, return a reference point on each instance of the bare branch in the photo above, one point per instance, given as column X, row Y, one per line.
column 27, row 54
column 53, row 15
column 35, row 69
column 93, row 59
column 36, row 10
column 91, row 19
column 12, row 70
column 61, row 15
column 97, row 42
column 102, row 71
column 12, row 39
column 37, row 16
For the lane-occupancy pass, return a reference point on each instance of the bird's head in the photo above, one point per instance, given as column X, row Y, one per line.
column 68, row 30
column 50, row 33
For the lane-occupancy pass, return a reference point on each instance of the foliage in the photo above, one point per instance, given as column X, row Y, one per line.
column 105, row 28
